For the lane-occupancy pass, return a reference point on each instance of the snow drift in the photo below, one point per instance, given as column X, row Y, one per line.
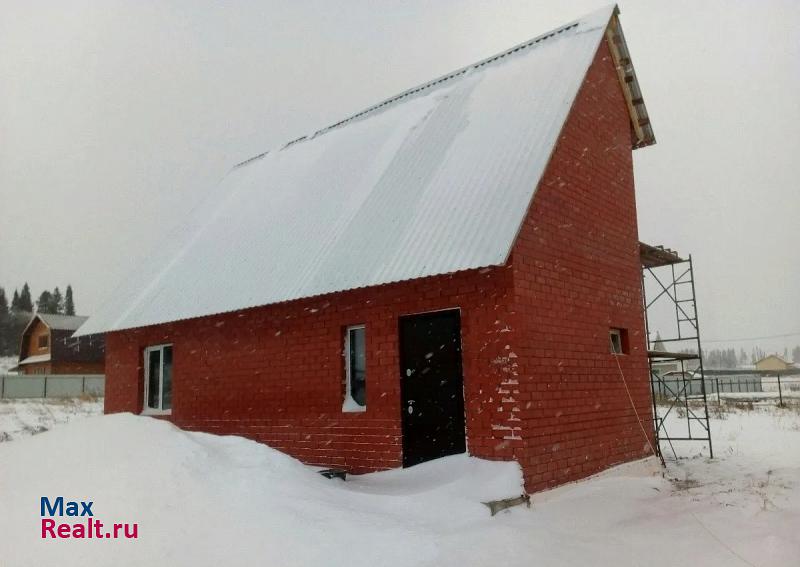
column 201, row 499
column 204, row 500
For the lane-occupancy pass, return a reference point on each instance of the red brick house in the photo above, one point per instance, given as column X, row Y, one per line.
column 47, row 347
column 448, row 270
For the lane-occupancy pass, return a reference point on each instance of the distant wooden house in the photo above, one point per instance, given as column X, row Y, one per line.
column 47, row 347
column 773, row 362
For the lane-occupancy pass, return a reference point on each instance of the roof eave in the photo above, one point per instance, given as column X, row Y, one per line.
column 641, row 127
column 44, row 358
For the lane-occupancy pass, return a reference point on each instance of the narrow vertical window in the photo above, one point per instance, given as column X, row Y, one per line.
column 153, row 379
column 166, row 379
column 355, row 355
column 158, row 379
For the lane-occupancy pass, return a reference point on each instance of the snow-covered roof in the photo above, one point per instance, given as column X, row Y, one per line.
column 34, row 359
column 61, row 322
column 433, row 181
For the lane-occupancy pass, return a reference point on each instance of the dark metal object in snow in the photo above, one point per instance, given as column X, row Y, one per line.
column 334, row 473
column 496, row 506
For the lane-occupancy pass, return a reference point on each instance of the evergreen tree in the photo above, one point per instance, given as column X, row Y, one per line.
column 3, row 303
column 25, row 302
column 742, row 357
column 658, row 344
column 732, row 359
column 45, row 303
column 796, row 354
column 69, row 303
column 18, row 320
column 5, row 329
column 15, row 301
column 57, row 299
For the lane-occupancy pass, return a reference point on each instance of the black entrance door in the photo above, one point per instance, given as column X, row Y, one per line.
column 431, row 386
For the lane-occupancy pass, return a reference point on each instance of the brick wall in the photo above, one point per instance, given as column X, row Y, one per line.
column 540, row 383
column 274, row 374
column 576, row 274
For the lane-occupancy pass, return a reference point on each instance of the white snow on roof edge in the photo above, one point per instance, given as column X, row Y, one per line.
column 34, row 359
column 434, row 181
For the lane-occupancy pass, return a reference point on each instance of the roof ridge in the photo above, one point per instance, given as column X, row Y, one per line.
column 427, row 85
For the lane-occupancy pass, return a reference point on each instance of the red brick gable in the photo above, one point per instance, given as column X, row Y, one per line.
column 577, row 274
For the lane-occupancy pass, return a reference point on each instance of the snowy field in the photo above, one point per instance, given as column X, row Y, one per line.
column 22, row 418
column 205, row 500
column 7, row 362
column 788, row 396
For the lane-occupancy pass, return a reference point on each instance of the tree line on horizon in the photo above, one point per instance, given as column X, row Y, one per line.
column 730, row 359
column 15, row 315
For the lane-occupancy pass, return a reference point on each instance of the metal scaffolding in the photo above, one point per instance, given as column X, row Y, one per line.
column 675, row 360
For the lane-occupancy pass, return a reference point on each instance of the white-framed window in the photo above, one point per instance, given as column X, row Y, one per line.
column 158, row 379
column 355, row 369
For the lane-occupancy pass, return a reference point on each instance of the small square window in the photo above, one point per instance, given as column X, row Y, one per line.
column 355, row 366
column 44, row 341
column 619, row 341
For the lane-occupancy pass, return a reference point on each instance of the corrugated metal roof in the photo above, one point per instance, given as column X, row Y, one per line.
column 432, row 181
column 62, row 322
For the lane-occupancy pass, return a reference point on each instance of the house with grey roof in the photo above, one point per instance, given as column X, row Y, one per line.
column 48, row 347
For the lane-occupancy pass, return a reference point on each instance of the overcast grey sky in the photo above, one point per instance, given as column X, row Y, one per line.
column 117, row 116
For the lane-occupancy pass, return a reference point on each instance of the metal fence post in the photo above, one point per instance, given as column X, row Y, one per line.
column 780, row 392
column 719, row 399
column 45, row 387
column 83, row 385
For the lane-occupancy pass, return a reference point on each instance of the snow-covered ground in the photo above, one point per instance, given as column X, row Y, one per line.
column 7, row 362
column 22, row 418
column 203, row 500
